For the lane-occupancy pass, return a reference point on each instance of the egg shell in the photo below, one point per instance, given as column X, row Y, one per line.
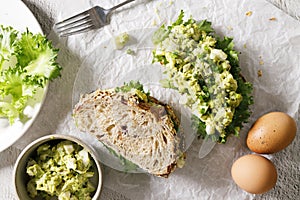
column 254, row 173
column 271, row 133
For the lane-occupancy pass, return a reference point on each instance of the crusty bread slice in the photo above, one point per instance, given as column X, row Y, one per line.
column 143, row 132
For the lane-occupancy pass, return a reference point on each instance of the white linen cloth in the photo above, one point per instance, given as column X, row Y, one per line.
column 208, row 178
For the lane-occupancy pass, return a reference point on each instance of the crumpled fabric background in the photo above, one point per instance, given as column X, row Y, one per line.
column 262, row 48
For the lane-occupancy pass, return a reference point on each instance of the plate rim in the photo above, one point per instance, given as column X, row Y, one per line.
column 85, row 64
column 34, row 27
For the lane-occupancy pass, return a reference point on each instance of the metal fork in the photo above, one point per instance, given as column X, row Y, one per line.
column 94, row 18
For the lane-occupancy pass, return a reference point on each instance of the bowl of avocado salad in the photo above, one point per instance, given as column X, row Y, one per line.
column 204, row 69
column 58, row 167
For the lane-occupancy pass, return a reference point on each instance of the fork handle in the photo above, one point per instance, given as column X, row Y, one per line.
column 121, row 4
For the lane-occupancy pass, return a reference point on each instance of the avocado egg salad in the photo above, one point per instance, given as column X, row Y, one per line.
column 62, row 170
column 27, row 63
column 205, row 71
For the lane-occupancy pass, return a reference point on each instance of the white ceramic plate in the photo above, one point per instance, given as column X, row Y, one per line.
column 14, row 13
column 106, row 67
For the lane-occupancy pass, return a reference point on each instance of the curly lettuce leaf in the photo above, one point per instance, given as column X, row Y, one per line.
column 27, row 63
column 136, row 87
column 8, row 44
column 35, row 51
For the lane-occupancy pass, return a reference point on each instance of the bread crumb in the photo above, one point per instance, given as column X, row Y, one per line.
column 261, row 62
column 273, row 19
column 259, row 73
column 249, row 13
column 229, row 28
column 156, row 11
column 130, row 52
column 245, row 46
column 154, row 23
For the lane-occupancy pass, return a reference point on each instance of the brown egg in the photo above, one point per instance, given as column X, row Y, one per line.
column 254, row 173
column 271, row 133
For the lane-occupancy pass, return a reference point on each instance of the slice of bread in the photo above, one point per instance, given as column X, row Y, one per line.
column 143, row 131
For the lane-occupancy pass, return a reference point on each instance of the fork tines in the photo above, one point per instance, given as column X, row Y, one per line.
column 94, row 18
column 79, row 23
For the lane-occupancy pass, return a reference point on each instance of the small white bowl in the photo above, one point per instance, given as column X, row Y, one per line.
column 21, row 178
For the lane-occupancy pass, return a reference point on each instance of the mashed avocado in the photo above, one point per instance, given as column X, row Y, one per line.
column 62, row 170
column 121, row 40
column 205, row 71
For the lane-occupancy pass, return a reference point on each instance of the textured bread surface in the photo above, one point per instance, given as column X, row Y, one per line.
column 143, row 132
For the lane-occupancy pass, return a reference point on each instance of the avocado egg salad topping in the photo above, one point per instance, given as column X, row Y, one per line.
column 62, row 170
column 205, row 71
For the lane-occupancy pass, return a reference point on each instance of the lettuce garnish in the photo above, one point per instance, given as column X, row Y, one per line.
column 27, row 63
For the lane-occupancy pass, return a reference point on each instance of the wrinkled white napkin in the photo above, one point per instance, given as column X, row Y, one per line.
column 268, row 39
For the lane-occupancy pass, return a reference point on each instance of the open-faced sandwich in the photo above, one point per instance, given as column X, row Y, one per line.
column 205, row 71
column 134, row 125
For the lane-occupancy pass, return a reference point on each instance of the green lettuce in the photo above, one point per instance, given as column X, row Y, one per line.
column 27, row 63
